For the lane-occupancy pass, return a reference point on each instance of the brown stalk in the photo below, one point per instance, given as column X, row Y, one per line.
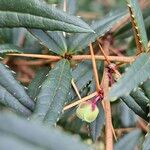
column 107, row 111
column 107, row 108
column 28, row 63
column 95, row 72
column 50, row 57
column 78, row 57
column 80, row 101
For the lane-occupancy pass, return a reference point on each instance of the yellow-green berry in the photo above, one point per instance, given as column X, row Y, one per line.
column 87, row 111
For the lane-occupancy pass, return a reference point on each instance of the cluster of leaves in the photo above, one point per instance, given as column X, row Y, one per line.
column 43, row 102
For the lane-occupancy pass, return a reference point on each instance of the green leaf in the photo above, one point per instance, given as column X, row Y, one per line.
column 8, row 82
column 80, row 41
column 9, row 48
column 136, row 74
column 138, row 19
column 129, row 141
column 36, row 14
column 17, row 133
column 54, row 41
column 9, row 100
column 131, row 103
column 96, row 126
column 53, row 93
column 146, row 144
column 34, row 86
column 146, row 88
column 140, row 99
column 5, row 35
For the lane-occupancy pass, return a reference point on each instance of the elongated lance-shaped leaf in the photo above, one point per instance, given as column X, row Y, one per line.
column 146, row 88
column 140, row 99
column 36, row 14
column 81, row 41
column 9, row 100
column 137, row 73
column 35, row 85
column 96, row 126
column 131, row 103
column 53, row 93
column 137, row 19
column 12, row 86
column 129, row 141
column 146, row 144
column 54, row 41
column 126, row 115
column 18, row 131
column 9, row 48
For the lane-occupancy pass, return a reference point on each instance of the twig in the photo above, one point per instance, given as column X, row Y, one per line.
column 78, row 57
column 107, row 110
column 50, row 57
column 28, row 63
column 106, row 58
column 80, row 101
column 107, row 107
column 76, row 89
column 94, row 68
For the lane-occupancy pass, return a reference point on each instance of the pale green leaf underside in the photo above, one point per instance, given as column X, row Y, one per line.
column 139, row 22
column 19, row 134
column 36, row 14
column 135, row 75
column 53, row 93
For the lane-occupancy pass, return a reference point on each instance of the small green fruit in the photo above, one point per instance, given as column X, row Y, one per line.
column 87, row 111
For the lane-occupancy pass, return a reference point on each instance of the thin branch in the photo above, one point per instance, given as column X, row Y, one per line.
column 113, row 131
column 76, row 89
column 50, row 57
column 29, row 63
column 107, row 110
column 106, row 58
column 95, row 68
column 100, row 57
column 78, row 57
column 80, row 101
column 107, row 107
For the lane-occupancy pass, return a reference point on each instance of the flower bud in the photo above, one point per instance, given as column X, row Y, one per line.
column 87, row 111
